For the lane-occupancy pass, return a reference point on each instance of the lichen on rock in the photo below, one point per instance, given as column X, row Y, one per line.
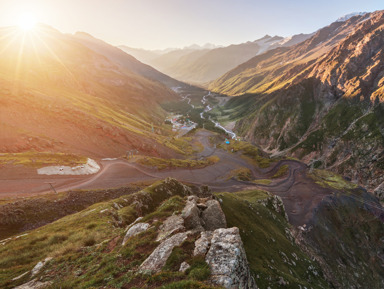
column 228, row 261
column 135, row 230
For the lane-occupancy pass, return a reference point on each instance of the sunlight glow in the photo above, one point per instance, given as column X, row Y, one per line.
column 27, row 21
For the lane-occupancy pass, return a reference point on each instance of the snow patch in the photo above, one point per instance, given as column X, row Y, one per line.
column 91, row 167
column 350, row 15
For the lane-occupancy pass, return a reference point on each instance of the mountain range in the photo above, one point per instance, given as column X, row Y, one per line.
column 198, row 66
column 314, row 100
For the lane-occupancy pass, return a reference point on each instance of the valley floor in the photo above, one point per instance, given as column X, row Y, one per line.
column 300, row 193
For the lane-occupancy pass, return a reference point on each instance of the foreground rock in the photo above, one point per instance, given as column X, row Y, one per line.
column 135, row 230
column 228, row 261
column 222, row 248
column 172, row 224
column 160, row 255
column 213, row 216
column 203, row 214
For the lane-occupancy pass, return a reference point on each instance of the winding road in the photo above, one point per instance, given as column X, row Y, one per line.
column 299, row 193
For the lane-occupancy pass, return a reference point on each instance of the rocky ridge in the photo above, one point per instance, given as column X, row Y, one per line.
column 222, row 248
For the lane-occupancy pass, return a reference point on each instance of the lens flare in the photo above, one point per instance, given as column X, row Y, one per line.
column 27, row 21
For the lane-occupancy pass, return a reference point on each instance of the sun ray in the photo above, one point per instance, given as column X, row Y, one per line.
column 27, row 21
column 57, row 58
column 18, row 66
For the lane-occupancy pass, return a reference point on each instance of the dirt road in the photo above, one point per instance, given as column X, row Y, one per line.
column 299, row 193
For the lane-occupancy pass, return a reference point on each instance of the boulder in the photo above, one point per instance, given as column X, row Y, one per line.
column 184, row 267
column 228, row 261
column 191, row 215
column 159, row 256
column 134, row 222
column 213, row 216
column 135, row 230
column 202, row 244
column 172, row 224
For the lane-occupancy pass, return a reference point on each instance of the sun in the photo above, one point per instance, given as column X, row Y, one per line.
column 27, row 21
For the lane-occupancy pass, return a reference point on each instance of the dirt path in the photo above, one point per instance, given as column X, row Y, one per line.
column 299, row 193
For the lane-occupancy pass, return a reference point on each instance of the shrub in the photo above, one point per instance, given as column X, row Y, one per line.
column 89, row 241
column 57, row 239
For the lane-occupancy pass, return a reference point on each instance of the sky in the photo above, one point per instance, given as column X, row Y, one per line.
column 160, row 24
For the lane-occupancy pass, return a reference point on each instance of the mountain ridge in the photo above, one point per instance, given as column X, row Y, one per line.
column 315, row 107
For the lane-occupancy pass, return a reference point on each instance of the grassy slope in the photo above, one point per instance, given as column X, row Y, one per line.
column 87, row 250
column 271, row 250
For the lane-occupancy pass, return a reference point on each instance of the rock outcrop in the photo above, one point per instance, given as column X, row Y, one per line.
column 135, row 230
column 213, row 216
column 202, row 244
column 172, row 224
column 160, row 255
column 191, row 215
column 227, row 259
column 222, row 248
column 203, row 214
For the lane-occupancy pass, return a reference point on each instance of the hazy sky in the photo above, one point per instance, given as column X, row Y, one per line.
column 156, row 24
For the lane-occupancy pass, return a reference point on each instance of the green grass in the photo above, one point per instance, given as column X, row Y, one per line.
column 328, row 179
column 271, row 250
column 242, row 174
column 249, row 151
column 262, row 182
column 87, row 244
column 282, row 171
column 40, row 159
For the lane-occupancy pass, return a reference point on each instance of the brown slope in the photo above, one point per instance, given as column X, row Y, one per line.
column 58, row 95
column 328, row 112
column 124, row 60
column 168, row 60
column 278, row 68
column 204, row 66
column 355, row 67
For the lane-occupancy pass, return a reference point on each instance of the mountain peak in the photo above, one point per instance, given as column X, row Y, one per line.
column 350, row 15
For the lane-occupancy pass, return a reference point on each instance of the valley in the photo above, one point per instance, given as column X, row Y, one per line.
column 241, row 171
column 250, row 165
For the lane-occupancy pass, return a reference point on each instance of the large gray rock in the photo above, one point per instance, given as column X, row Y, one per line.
column 213, row 216
column 135, row 230
column 160, row 255
column 173, row 224
column 191, row 215
column 228, row 261
column 202, row 244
